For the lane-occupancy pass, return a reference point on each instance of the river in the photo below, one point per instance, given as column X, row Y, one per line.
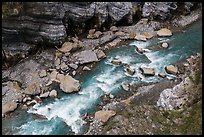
column 65, row 114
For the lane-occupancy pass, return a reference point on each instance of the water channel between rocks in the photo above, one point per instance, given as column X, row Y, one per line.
column 65, row 114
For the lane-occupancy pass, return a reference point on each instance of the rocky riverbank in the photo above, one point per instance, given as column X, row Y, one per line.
column 34, row 77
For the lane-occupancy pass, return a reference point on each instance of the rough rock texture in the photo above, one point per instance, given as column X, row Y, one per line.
column 172, row 98
column 68, row 84
column 9, row 107
column 104, row 115
column 171, row 69
column 86, row 56
column 160, row 10
column 148, row 71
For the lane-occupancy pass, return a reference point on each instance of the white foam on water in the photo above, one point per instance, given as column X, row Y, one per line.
column 35, row 127
column 140, row 44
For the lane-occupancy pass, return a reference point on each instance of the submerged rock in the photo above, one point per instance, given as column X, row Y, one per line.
column 130, row 70
column 126, row 87
column 165, row 45
column 104, row 116
column 116, row 62
column 147, row 71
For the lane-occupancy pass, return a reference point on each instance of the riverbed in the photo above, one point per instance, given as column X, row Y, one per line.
column 65, row 114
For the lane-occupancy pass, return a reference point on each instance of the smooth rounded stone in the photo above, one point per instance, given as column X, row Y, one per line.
column 165, row 45
column 63, row 66
column 125, row 87
column 85, row 68
column 44, row 95
column 72, row 65
column 53, row 93
column 74, row 73
column 68, row 84
column 171, row 69
column 26, row 99
column 113, row 29
column 140, row 37
column 103, row 115
column 163, row 75
column 132, row 35
column 130, row 70
column 42, row 73
column 33, row 102
column 32, row 89
column 147, row 71
column 164, row 32
column 116, row 62
column 9, row 107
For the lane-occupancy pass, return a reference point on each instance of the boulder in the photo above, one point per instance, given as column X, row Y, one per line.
column 130, row 70
column 139, row 50
column 116, row 62
column 165, row 45
column 57, row 63
column 97, row 34
column 33, row 102
column 72, row 65
column 131, row 35
column 147, row 35
column 66, row 47
column 100, row 54
column 44, row 95
column 69, row 46
column 125, row 87
column 9, row 107
column 53, row 76
column 53, row 93
column 120, row 33
column 113, row 29
column 42, row 73
column 111, row 96
column 38, row 99
column 147, row 71
column 92, row 31
column 27, row 99
column 140, row 37
column 74, row 73
column 63, row 66
column 85, row 68
column 33, row 89
column 171, row 69
column 86, row 56
column 104, row 116
column 68, row 84
column 163, row 75
column 164, row 32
